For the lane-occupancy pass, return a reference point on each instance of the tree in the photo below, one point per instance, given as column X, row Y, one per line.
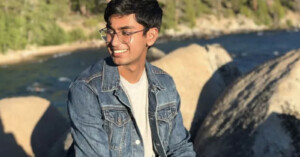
column 189, row 15
column 169, row 18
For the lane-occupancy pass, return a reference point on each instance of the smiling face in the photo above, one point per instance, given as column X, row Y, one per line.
column 134, row 51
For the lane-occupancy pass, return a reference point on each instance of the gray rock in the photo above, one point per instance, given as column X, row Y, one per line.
column 258, row 116
column 154, row 54
column 29, row 126
column 200, row 74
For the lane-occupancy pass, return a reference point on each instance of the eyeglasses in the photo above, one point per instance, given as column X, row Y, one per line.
column 124, row 36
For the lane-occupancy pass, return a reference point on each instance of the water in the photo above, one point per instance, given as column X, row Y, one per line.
column 49, row 77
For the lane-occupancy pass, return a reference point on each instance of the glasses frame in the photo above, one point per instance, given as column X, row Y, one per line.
column 105, row 30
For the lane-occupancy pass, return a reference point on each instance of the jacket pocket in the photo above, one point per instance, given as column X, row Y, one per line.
column 165, row 120
column 167, row 112
column 116, row 120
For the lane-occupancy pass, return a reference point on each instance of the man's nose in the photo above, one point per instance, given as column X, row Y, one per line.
column 115, row 40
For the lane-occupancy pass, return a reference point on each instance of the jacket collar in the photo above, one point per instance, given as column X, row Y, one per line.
column 111, row 76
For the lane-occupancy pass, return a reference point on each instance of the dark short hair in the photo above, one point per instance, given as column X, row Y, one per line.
column 147, row 12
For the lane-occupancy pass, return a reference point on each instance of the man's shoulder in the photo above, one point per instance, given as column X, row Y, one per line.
column 160, row 73
column 92, row 72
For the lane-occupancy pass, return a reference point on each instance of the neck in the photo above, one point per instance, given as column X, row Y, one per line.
column 131, row 73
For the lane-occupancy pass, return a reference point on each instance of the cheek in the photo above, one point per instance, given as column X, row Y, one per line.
column 139, row 43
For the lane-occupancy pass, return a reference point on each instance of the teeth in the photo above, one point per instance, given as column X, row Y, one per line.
column 119, row 51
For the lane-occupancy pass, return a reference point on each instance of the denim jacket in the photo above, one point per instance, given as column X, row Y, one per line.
column 102, row 123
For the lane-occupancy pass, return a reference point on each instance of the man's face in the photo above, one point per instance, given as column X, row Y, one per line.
column 133, row 51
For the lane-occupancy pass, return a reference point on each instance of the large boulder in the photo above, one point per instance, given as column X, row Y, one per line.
column 259, row 116
column 30, row 126
column 200, row 74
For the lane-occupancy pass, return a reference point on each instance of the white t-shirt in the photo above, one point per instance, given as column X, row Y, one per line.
column 138, row 97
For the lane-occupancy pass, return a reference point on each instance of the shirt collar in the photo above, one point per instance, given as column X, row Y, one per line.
column 111, row 76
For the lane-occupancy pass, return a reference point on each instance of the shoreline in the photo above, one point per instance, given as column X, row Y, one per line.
column 19, row 56
column 217, row 27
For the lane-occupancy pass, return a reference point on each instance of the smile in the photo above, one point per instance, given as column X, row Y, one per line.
column 120, row 51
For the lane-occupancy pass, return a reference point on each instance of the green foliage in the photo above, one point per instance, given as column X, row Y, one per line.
column 262, row 13
column 12, row 35
column 26, row 22
column 290, row 4
column 91, row 22
column 86, row 7
column 228, row 13
column 189, row 13
column 201, row 8
column 34, row 22
column 247, row 12
column 289, row 23
column 54, row 35
column 75, row 35
column 277, row 10
column 94, row 35
column 169, row 18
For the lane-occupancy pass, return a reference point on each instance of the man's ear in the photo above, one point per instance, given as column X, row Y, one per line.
column 151, row 36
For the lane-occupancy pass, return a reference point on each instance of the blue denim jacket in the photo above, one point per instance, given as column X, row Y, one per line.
column 102, row 121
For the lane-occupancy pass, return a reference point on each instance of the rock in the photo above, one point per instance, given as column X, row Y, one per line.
column 200, row 74
column 31, row 124
column 154, row 54
column 259, row 116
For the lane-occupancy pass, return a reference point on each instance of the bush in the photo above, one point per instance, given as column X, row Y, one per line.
column 54, row 36
column 189, row 13
column 91, row 22
column 262, row 13
column 12, row 32
column 247, row 12
column 75, row 35
column 277, row 10
column 201, row 8
column 169, row 18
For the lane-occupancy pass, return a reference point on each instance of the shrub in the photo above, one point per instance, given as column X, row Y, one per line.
column 54, row 35
column 76, row 34
column 189, row 13
column 201, row 8
column 169, row 18
column 247, row 12
column 262, row 13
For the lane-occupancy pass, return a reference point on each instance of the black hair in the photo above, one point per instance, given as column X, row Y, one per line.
column 147, row 12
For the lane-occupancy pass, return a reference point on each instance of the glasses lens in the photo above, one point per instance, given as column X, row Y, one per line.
column 124, row 37
column 103, row 33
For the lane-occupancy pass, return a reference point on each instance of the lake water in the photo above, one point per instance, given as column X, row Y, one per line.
column 49, row 77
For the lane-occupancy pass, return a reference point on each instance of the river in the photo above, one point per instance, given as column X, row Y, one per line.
column 49, row 77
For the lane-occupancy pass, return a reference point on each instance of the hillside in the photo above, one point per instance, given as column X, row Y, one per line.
column 28, row 24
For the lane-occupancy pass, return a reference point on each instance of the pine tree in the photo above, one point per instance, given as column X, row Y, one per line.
column 169, row 18
column 189, row 13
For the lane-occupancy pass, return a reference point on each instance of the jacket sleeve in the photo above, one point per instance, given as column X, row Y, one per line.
column 179, row 141
column 89, row 137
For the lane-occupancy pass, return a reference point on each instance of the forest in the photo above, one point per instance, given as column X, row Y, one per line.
column 26, row 23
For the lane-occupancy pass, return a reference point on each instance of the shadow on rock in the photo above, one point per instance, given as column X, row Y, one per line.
column 8, row 144
column 48, row 131
column 278, row 135
column 258, row 115
column 212, row 89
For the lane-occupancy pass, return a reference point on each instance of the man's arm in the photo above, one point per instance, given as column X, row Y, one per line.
column 89, row 137
column 179, row 142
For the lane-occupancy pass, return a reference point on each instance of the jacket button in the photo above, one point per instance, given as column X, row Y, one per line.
column 137, row 142
column 157, row 144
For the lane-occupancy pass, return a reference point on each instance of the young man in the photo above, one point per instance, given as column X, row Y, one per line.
column 122, row 105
